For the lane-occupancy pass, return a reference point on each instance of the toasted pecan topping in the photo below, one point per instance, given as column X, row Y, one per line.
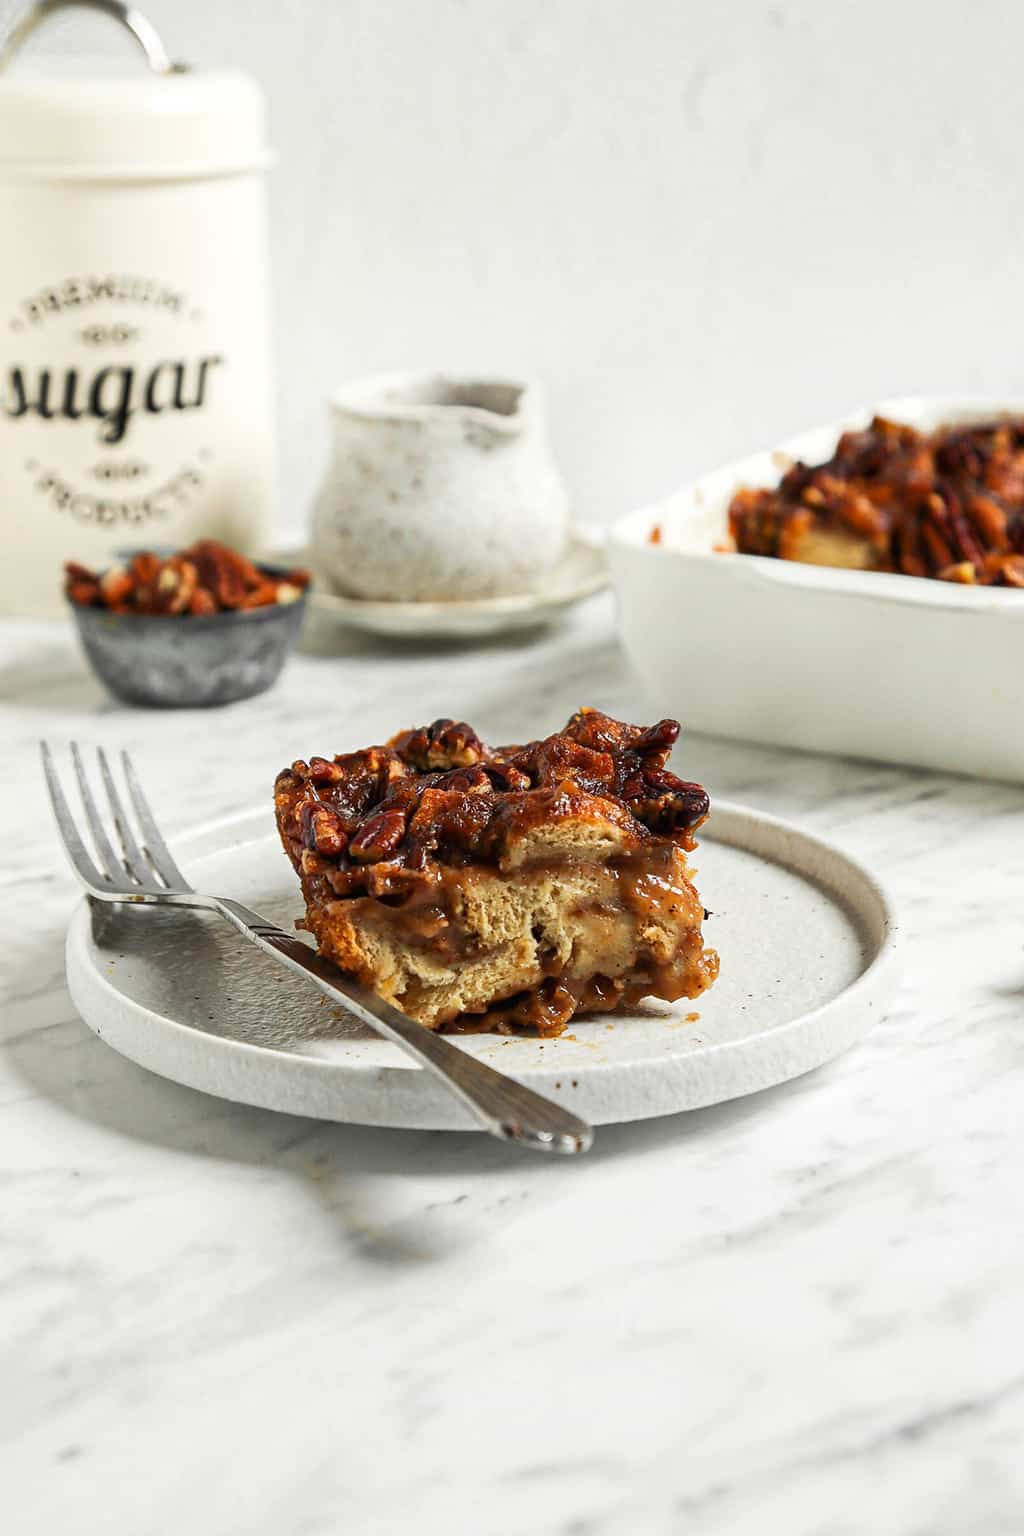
column 947, row 504
column 376, row 820
column 445, row 744
column 208, row 577
column 378, row 837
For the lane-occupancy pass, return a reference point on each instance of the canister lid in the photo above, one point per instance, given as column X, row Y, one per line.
column 105, row 120
column 156, row 125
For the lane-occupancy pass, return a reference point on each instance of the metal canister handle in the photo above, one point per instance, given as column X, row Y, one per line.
column 140, row 27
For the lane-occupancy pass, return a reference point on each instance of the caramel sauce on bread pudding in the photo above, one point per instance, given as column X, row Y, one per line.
column 503, row 888
column 947, row 504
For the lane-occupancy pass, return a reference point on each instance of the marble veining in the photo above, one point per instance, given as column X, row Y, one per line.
column 799, row 1312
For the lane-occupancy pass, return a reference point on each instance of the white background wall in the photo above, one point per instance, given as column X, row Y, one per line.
column 701, row 225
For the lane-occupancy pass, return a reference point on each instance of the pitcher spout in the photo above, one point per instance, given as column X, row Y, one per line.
column 501, row 406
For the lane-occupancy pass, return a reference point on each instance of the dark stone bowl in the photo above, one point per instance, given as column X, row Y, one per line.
column 186, row 662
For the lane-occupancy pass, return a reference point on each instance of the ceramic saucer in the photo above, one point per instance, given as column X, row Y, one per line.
column 581, row 572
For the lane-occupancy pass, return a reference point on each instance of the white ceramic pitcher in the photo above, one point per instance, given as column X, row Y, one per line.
column 439, row 488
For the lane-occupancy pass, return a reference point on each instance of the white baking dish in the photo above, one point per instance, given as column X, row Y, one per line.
column 863, row 663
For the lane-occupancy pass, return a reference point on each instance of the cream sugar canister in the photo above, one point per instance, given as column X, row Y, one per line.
column 135, row 386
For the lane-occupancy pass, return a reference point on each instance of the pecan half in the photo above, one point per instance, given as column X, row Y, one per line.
column 202, row 602
column 175, row 586
column 963, row 573
column 443, row 744
column 323, row 830
column 115, row 586
column 378, row 838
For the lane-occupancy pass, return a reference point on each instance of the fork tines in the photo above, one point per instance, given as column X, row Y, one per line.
column 144, row 865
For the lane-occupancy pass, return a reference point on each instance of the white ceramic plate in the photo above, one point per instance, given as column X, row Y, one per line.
column 581, row 572
column 805, row 935
column 864, row 663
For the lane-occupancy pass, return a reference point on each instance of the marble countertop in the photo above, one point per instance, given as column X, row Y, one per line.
column 799, row 1312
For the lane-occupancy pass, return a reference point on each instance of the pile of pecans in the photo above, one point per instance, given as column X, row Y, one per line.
column 206, row 578
column 948, row 504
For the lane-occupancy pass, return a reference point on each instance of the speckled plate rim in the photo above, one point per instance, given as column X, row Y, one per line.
column 473, row 616
column 608, row 1092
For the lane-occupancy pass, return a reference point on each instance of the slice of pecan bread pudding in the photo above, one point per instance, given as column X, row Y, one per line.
column 503, row 888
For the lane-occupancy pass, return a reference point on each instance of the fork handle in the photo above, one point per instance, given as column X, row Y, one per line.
column 502, row 1106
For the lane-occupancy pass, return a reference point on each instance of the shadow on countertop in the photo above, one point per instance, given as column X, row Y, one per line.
column 58, row 1058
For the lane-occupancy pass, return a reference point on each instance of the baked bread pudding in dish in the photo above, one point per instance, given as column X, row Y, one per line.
column 503, row 888
column 947, row 504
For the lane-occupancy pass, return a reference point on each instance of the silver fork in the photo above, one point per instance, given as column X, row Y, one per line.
column 145, row 872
